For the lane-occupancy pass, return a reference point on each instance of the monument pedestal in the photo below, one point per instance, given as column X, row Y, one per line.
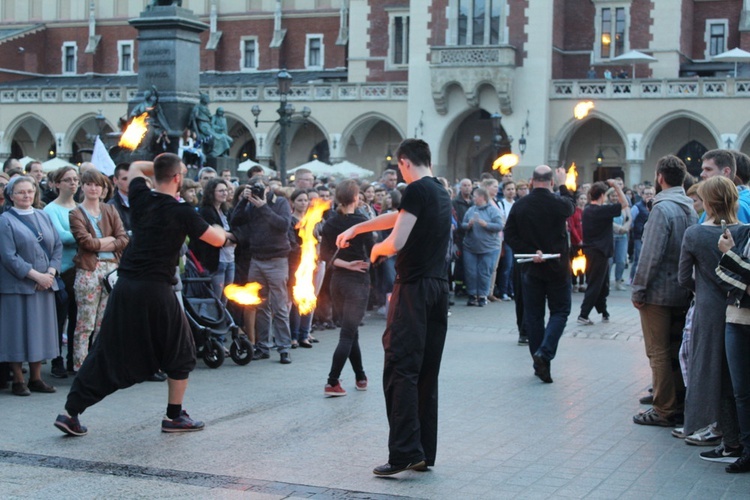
column 169, row 59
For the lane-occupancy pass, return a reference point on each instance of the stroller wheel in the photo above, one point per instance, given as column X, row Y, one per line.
column 213, row 354
column 241, row 351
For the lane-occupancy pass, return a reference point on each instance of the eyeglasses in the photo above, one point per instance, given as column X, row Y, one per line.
column 24, row 193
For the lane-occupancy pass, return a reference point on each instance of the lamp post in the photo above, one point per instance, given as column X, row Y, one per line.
column 286, row 113
column 500, row 140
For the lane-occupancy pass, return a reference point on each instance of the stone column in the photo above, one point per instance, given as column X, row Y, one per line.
column 635, row 171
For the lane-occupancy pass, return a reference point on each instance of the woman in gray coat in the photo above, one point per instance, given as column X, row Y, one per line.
column 482, row 225
column 30, row 257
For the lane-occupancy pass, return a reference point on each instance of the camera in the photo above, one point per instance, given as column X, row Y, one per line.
column 258, row 190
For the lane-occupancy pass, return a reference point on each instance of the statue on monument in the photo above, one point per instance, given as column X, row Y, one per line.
column 155, row 3
column 211, row 130
column 157, row 122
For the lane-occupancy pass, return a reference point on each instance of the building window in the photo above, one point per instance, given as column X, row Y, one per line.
column 314, row 52
column 612, row 32
column 69, row 58
column 125, row 54
column 716, row 37
column 480, row 22
column 399, row 47
column 249, row 51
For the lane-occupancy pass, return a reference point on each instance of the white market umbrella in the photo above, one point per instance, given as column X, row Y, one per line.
column 633, row 57
column 25, row 160
column 735, row 55
column 55, row 163
column 349, row 169
column 248, row 164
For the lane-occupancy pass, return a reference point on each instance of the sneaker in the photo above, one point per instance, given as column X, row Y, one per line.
column 284, row 358
column 472, row 301
column 722, row 454
column 620, row 286
column 741, row 465
column 70, row 425
column 361, row 385
column 523, row 340
column 584, row 321
column 605, row 318
column 708, row 436
column 652, row 417
column 505, row 298
column 183, row 423
column 381, row 310
column 58, row 368
column 482, row 301
column 679, row 433
column 335, row 390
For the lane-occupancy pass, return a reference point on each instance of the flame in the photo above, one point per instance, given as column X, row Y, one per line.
column 582, row 109
column 578, row 265
column 304, row 279
column 571, row 178
column 134, row 133
column 505, row 163
column 246, row 295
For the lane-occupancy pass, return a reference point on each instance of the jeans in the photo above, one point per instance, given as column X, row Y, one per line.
column 478, row 271
column 620, row 258
column 273, row 311
column 349, row 293
column 299, row 324
column 737, row 345
column 637, row 244
column 662, row 335
column 555, row 291
column 220, row 278
column 504, row 281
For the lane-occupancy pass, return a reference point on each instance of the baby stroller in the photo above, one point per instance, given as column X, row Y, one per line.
column 209, row 319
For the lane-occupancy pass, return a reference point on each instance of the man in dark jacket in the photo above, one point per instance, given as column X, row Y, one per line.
column 120, row 199
column 536, row 225
column 266, row 219
column 461, row 204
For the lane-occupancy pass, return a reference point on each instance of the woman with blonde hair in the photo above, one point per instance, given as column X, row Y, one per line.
column 101, row 238
column 709, row 390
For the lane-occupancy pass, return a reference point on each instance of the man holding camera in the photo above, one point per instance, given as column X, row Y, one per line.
column 265, row 219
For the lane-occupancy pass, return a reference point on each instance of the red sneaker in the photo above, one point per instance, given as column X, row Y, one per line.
column 362, row 385
column 334, row 390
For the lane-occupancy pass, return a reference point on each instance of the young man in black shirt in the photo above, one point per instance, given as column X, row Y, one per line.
column 418, row 315
column 144, row 328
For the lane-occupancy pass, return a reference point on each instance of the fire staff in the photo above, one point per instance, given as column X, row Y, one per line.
column 418, row 314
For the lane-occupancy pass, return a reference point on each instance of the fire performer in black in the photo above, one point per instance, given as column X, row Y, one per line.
column 144, row 328
column 418, row 313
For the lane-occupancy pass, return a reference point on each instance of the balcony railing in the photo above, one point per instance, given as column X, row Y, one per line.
column 650, row 89
column 223, row 93
column 472, row 56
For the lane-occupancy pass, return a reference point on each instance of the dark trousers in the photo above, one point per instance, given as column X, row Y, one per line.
column 597, row 277
column 413, row 342
column 518, row 290
column 553, row 291
column 349, row 293
column 69, row 311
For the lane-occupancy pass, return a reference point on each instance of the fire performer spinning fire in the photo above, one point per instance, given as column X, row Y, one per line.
column 144, row 328
column 418, row 312
column 537, row 225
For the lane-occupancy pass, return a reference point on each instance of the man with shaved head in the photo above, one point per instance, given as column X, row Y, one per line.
column 536, row 225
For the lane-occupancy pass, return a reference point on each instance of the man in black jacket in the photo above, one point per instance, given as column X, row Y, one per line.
column 536, row 225
column 266, row 220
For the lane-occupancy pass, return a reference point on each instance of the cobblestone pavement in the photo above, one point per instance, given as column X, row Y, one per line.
column 271, row 434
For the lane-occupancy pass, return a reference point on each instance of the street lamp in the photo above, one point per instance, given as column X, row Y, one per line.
column 500, row 140
column 286, row 113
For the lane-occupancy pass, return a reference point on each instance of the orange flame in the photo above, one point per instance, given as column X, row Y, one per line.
column 578, row 265
column 304, row 279
column 571, row 178
column 505, row 163
column 134, row 133
column 582, row 109
column 246, row 295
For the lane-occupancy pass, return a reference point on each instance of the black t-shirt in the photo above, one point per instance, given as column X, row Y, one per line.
column 160, row 225
column 359, row 247
column 424, row 254
column 597, row 227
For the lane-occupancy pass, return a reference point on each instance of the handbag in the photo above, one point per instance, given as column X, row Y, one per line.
column 61, row 295
column 109, row 280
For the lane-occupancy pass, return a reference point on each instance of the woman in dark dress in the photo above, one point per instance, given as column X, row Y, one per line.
column 350, row 284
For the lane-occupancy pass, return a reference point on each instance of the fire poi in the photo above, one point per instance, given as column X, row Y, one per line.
column 571, row 178
column 246, row 295
column 134, row 133
column 304, row 279
column 505, row 163
column 578, row 265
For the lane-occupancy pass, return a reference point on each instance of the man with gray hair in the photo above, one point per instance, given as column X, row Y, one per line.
column 537, row 225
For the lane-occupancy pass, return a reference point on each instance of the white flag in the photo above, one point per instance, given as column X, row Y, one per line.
column 101, row 159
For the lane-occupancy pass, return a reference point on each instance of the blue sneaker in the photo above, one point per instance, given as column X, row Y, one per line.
column 183, row 423
column 70, row 425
